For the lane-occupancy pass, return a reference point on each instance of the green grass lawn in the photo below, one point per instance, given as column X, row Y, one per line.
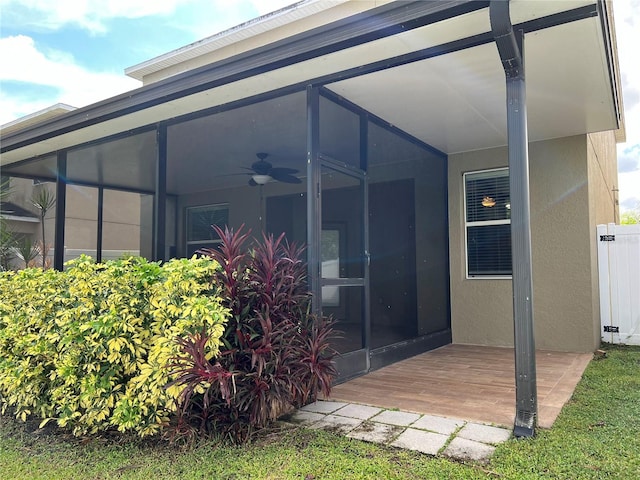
column 597, row 436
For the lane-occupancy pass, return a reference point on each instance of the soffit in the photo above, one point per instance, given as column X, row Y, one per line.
column 456, row 102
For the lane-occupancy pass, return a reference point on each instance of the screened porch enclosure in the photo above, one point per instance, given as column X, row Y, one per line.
column 376, row 227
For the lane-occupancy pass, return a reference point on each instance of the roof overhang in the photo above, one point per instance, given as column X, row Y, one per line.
column 429, row 68
column 36, row 117
column 12, row 212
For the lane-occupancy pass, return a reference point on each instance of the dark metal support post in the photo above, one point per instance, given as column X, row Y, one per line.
column 61, row 200
column 366, row 304
column 160, row 197
column 314, row 213
column 510, row 47
column 100, row 220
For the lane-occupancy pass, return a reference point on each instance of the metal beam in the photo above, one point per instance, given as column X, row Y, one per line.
column 510, row 47
column 61, row 200
column 160, row 197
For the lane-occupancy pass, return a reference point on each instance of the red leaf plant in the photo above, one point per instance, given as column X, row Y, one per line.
column 276, row 354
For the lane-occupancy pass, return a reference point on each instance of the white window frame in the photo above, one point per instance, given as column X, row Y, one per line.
column 480, row 223
column 188, row 243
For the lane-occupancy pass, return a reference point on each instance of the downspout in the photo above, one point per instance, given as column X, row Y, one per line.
column 510, row 48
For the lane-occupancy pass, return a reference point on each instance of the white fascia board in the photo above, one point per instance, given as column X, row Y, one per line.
column 17, row 218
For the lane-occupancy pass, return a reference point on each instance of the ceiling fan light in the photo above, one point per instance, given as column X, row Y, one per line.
column 261, row 179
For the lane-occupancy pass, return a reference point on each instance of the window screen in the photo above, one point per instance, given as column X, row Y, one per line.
column 488, row 223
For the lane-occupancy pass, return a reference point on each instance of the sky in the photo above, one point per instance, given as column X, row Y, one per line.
column 76, row 51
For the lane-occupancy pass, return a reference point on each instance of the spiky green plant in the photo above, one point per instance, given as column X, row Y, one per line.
column 43, row 200
column 27, row 250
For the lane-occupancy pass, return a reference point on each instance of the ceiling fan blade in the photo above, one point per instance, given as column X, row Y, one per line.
column 275, row 171
column 252, row 183
column 286, row 178
column 261, row 167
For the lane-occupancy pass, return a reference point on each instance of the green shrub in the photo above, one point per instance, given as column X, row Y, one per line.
column 88, row 347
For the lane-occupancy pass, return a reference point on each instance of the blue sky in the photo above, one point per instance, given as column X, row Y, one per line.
column 75, row 52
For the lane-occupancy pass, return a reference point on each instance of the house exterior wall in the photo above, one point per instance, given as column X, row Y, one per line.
column 602, row 167
column 121, row 218
column 565, row 301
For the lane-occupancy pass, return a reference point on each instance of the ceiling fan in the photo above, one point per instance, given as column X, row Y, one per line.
column 262, row 172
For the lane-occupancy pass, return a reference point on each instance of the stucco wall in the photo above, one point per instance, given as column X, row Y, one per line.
column 561, row 234
column 602, row 167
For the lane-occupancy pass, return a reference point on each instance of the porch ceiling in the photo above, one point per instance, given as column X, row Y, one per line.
column 454, row 101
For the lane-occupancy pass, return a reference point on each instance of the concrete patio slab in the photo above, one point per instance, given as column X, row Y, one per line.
column 302, row 417
column 484, row 433
column 392, row 417
column 464, row 449
column 443, row 425
column 323, row 407
column 428, row 434
column 421, row 441
column 376, row 432
column 353, row 410
column 335, row 424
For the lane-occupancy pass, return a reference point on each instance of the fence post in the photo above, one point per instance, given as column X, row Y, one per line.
column 604, row 280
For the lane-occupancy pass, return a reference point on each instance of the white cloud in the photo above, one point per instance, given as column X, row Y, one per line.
column 93, row 15
column 68, row 82
column 88, row 14
column 627, row 17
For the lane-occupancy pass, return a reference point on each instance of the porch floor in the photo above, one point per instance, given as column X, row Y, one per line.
column 468, row 382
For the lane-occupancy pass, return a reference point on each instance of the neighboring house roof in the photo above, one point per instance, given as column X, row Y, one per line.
column 36, row 117
column 11, row 211
column 429, row 68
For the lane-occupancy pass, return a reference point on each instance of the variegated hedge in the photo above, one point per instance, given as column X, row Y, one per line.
column 88, row 347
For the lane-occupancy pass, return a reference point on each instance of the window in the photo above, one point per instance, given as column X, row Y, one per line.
column 487, row 223
column 200, row 233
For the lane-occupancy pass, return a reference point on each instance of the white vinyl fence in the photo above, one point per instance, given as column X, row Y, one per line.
column 619, row 271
